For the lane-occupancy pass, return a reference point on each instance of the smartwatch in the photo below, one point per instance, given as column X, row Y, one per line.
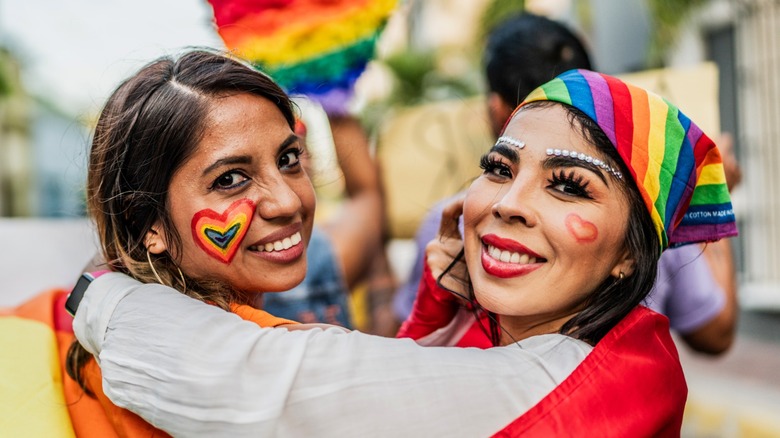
column 75, row 296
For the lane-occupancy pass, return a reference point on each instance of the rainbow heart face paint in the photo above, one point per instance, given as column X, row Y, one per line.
column 219, row 234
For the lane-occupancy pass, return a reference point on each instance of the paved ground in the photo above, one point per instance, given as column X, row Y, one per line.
column 737, row 395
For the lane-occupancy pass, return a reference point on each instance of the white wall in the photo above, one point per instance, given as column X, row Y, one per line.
column 40, row 254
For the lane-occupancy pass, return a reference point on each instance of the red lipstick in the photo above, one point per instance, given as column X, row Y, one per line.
column 508, row 245
column 500, row 269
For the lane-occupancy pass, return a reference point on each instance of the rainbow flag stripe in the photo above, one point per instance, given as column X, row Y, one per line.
column 677, row 168
column 312, row 47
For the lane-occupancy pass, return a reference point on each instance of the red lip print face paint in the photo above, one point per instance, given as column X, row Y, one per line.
column 582, row 230
column 219, row 234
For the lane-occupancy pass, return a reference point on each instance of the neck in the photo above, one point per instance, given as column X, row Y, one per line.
column 517, row 328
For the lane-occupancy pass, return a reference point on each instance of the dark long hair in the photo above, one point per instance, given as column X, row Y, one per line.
column 147, row 130
column 614, row 298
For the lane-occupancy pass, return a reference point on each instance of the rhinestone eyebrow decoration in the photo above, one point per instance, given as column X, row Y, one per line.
column 510, row 141
column 586, row 158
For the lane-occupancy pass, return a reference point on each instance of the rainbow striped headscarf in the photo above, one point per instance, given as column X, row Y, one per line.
column 677, row 168
column 313, row 47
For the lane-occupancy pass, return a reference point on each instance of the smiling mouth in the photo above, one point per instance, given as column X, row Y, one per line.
column 279, row 245
column 512, row 257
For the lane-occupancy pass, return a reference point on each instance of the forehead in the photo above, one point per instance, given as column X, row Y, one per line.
column 244, row 110
column 242, row 122
column 548, row 127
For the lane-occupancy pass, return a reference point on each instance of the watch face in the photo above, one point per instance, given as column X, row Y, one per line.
column 75, row 296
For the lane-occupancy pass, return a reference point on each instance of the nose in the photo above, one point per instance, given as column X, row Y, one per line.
column 278, row 200
column 515, row 203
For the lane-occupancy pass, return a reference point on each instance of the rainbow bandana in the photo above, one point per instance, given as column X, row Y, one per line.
column 676, row 166
column 313, row 47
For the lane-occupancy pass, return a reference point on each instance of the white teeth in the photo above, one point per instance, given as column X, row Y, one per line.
column 279, row 245
column 510, row 257
column 524, row 259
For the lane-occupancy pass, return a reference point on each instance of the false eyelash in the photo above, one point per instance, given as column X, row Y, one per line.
column 488, row 164
column 572, row 180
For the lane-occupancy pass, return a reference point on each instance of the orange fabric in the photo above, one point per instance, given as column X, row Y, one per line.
column 96, row 416
column 86, row 414
column 259, row 317
column 123, row 422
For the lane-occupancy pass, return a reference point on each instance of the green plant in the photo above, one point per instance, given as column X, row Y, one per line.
column 417, row 79
column 5, row 77
column 668, row 17
column 497, row 11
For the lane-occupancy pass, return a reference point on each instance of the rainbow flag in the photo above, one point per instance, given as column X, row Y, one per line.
column 313, row 47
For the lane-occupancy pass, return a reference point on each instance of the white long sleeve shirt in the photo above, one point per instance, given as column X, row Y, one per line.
column 195, row 370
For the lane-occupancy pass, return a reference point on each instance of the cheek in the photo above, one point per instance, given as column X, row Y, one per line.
column 220, row 234
column 478, row 201
column 581, row 230
column 473, row 212
column 305, row 192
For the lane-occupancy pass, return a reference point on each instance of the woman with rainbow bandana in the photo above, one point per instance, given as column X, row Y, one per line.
column 590, row 181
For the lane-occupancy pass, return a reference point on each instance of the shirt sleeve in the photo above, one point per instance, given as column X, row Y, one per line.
column 194, row 370
column 685, row 290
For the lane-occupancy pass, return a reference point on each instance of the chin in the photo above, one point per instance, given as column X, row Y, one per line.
column 279, row 287
column 282, row 281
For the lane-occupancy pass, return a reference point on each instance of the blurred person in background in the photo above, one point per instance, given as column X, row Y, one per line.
column 696, row 285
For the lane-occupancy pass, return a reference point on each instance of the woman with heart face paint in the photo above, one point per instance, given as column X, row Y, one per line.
column 591, row 179
column 195, row 182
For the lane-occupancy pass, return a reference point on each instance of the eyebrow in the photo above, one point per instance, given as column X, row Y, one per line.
column 287, row 142
column 509, row 152
column 554, row 161
column 246, row 159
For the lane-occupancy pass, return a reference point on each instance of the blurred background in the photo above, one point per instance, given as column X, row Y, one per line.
column 422, row 101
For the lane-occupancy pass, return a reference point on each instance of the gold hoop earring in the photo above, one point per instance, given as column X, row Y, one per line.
column 157, row 276
column 183, row 282
column 621, row 275
column 151, row 265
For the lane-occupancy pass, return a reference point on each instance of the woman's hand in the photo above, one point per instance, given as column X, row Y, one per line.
column 445, row 249
column 434, row 306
